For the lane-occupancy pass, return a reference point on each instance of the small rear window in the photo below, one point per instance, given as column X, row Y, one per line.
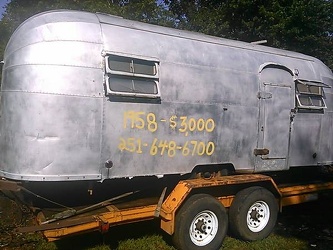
column 132, row 85
column 310, row 95
column 133, row 77
column 132, row 65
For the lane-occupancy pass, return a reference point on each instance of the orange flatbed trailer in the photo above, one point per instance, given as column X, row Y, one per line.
column 110, row 215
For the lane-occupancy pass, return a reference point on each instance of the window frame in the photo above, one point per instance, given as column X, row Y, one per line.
column 109, row 73
column 312, row 96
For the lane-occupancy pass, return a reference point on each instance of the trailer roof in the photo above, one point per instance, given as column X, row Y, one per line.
column 196, row 36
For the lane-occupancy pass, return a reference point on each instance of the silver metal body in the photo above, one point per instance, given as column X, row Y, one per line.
column 90, row 97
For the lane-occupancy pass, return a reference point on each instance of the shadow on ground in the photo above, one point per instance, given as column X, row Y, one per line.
column 311, row 222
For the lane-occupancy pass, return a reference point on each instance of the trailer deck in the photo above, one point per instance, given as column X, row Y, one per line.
column 109, row 214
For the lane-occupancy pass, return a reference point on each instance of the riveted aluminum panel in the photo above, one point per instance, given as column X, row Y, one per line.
column 52, row 135
column 52, row 99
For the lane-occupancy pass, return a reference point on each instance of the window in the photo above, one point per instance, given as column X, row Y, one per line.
column 132, row 85
column 130, row 65
column 310, row 95
column 127, row 76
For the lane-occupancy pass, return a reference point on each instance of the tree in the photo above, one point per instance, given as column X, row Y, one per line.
column 300, row 25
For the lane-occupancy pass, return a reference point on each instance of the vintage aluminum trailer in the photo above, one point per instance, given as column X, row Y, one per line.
column 91, row 98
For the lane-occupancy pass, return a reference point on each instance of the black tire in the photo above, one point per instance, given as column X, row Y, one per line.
column 201, row 223
column 253, row 214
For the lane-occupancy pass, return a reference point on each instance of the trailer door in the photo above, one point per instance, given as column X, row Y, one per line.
column 276, row 102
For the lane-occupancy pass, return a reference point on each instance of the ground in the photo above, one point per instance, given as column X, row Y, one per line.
column 311, row 222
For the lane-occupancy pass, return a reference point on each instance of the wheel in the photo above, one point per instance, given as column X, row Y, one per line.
column 253, row 214
column 201, row 223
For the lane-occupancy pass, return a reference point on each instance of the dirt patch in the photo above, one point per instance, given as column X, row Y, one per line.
column 13, row 216
column 10, row 217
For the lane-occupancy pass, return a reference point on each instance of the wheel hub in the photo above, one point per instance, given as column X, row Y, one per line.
column 203, row 228
column 255, row 215
column 200, row 226
column 258, row 216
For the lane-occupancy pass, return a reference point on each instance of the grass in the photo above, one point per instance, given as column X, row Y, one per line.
column 148, row 236
column 273, row 242
column 157, row 242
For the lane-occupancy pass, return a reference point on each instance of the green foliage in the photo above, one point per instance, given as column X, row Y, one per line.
column 300, row 25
